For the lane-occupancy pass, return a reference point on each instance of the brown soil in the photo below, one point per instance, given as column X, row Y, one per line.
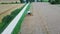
column 6, row 11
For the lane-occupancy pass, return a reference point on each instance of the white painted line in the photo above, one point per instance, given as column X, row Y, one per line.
column 13, row 23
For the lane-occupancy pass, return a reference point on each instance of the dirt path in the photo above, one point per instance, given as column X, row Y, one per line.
column 34, row 24
column 45, row 19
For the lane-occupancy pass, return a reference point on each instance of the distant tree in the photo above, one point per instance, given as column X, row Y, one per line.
column 22, row 1
column 57, row 0
column 49, row 0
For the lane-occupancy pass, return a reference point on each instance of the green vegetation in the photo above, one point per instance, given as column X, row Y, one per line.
column 51, row 1
column 17, row 27
column 5, row 22
column 7, row 19
column 54, row 2
column 21, row 1
column 45, row 0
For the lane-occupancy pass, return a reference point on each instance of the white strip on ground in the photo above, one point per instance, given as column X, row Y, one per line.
column 13, row 23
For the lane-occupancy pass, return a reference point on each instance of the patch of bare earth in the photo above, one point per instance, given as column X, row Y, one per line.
column 6, row 9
